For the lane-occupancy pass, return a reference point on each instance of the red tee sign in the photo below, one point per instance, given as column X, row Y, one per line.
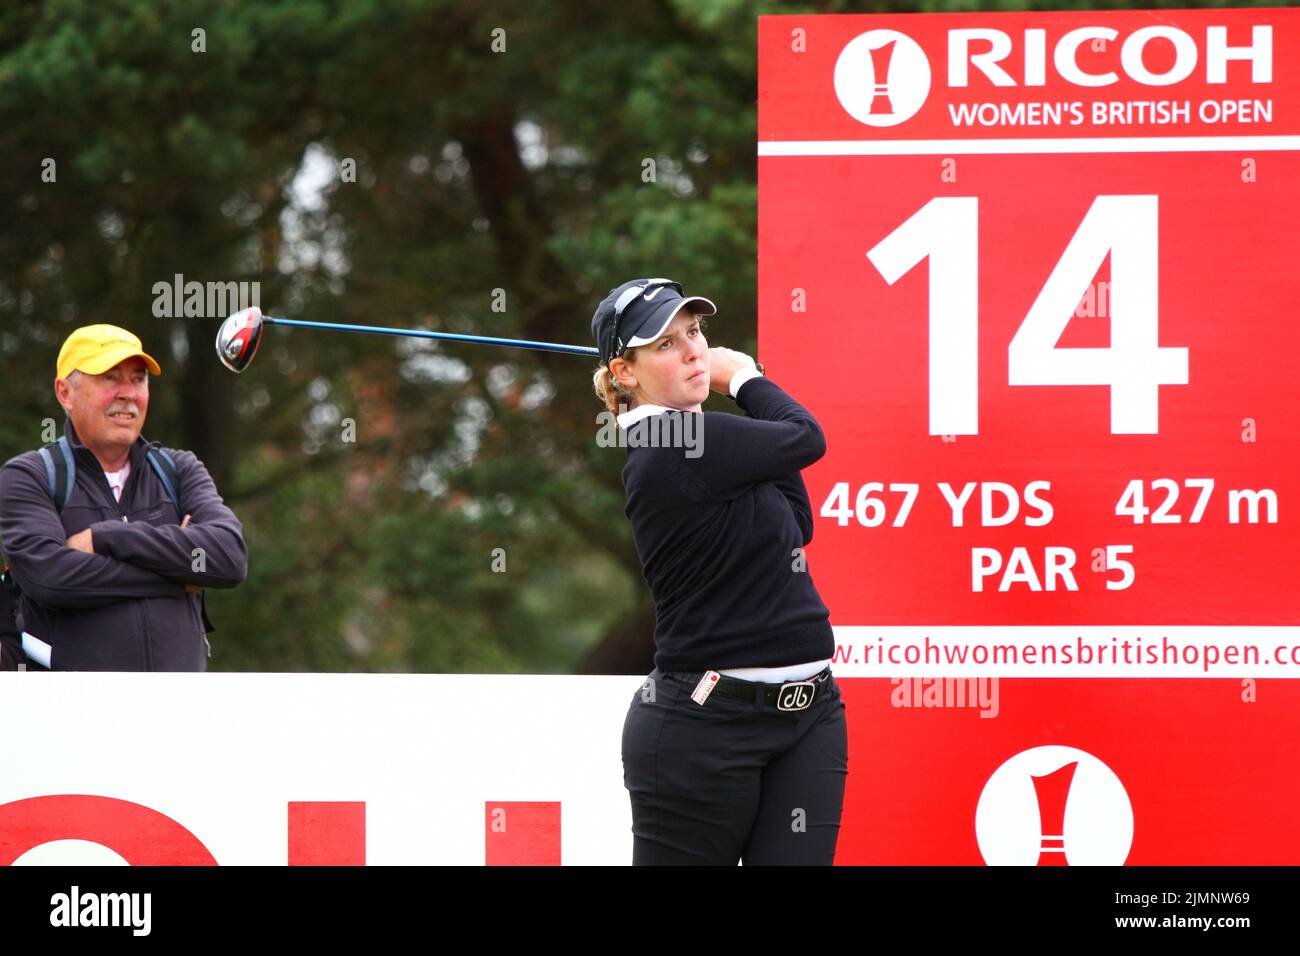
column 1037, row 276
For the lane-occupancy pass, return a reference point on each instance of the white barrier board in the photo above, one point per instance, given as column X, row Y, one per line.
column 224, row 755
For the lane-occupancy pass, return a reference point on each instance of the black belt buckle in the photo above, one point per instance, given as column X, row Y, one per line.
column 796, row 696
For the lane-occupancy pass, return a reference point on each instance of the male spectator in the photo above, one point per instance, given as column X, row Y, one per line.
column 110, row 538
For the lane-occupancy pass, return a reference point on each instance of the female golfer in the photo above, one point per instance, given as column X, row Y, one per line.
column 735, row 748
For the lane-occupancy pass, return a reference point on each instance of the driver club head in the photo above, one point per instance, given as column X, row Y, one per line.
column 239, row 337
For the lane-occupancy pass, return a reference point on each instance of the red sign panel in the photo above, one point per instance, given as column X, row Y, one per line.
column 1057, row 386
column 1036, row 276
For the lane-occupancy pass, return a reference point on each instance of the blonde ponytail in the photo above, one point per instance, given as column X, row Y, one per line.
column 616, row 396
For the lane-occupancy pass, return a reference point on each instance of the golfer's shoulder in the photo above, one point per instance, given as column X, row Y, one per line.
column 657, row 467
column 647, row 458
column 723, row 428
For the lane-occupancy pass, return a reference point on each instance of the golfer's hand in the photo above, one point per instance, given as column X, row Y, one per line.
column 724, row 363
column 82, row 541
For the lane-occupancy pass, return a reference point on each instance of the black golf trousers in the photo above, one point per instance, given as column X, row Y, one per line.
column 731, row 780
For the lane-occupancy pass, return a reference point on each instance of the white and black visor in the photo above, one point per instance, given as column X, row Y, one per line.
column 638, row 312
column 656, row 323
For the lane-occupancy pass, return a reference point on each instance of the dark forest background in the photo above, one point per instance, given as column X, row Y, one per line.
column 520, row 170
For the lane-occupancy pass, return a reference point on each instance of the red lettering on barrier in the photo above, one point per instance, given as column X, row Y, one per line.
column 141, row 836
column 522, row 833
column 327, row 834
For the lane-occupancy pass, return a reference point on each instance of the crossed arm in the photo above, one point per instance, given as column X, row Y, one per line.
column 112, row 561
column 206, row 550
column 50, row 572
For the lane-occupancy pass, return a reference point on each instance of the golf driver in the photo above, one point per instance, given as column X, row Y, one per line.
column 241, row 334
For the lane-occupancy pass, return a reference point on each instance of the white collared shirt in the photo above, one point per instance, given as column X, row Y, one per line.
column 117, row 480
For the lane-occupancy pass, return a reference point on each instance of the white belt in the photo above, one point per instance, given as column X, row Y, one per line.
column 778, row 675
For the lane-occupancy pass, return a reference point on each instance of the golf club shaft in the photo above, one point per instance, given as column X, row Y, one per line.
column 447, row 336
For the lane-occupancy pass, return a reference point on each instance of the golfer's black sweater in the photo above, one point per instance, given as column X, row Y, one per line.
column 718, row 533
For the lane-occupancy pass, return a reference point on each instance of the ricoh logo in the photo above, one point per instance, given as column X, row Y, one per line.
column 883, row 77
column 1087, row 56
column 1054, row 806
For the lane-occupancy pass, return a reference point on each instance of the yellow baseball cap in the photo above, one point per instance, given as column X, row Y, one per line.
column 94, row 349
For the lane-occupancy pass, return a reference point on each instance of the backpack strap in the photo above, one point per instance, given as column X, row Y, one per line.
column 165, row 467
column 60, row 471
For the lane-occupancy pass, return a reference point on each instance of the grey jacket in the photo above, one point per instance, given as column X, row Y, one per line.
column 125, row 607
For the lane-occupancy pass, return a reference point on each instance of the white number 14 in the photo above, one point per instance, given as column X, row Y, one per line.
column 945, row 231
